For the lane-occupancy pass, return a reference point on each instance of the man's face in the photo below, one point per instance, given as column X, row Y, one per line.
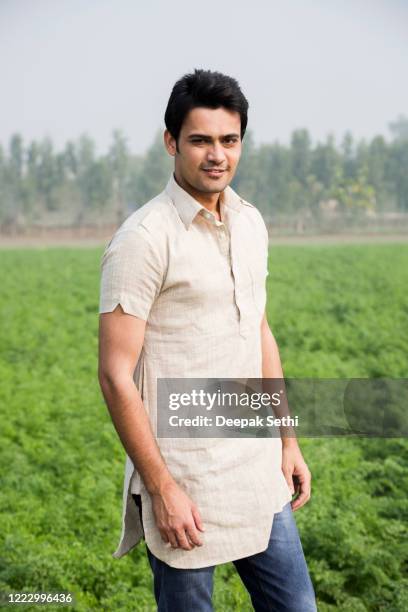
column 209, row 148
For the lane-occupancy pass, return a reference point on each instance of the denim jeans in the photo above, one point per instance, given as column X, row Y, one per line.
column 276, row 579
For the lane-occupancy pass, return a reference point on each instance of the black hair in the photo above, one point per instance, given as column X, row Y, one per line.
column 208, row 89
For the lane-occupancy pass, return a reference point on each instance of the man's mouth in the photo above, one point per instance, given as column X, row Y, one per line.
column 214, row 171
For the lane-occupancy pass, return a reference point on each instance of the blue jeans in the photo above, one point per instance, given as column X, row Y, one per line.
column 276, row 579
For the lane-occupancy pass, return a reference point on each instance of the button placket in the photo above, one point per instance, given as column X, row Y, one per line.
column 239, row 281
column 223, row 238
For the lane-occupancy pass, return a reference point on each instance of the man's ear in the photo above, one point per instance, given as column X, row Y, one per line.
column 170, row 143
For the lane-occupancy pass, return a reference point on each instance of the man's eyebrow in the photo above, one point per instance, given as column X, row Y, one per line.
column 206, row 137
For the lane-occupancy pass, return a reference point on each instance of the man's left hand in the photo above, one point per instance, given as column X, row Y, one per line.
column 296, row 473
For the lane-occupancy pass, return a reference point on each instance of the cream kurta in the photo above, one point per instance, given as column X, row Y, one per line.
column 200, row 286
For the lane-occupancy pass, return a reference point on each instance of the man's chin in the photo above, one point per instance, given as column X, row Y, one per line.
column 213, row 186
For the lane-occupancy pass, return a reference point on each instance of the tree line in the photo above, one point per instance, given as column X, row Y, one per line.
column 75, row 186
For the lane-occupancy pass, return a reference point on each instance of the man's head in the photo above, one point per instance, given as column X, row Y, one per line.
column 206, row 119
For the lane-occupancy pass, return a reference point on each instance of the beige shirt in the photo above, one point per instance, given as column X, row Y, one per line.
column 199, row 284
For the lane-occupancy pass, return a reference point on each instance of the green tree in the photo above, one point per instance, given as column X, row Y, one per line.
column 397, row 173
column 85, row 159
column 94, row 177
column 48, row 175
column 31, row 182
column 347, row 150
column 5, row 208
column 399, row 128
column 301, row 155
column 355, row 196
column 71, row 160
column 14, row 179
column 376, row 168
column 155, row 171
column 119, row 161
column 246, row 181
column 327, row 163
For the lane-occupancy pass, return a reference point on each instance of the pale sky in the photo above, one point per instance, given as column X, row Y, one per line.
column 74, row 66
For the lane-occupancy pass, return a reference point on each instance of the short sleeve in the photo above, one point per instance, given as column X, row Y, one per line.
column 131, row 273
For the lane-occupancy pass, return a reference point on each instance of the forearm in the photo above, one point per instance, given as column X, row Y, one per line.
column 132, row 423
column 271, row 363
column 272, row 368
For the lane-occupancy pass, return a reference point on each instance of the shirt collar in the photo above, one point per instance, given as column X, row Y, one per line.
column 188, row 207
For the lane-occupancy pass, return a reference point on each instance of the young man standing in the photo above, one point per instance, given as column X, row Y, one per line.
column 183, row 296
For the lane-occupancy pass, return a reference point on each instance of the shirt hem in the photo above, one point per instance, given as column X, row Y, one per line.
column 221, row 559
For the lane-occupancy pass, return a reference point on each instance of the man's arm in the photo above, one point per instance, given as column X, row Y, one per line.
column 293, row 464
column 121, row 339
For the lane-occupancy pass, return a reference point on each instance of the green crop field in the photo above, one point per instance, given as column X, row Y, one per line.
column 336, row 311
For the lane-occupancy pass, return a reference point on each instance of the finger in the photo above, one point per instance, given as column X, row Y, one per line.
column 172, row 539
column 164, row 536
column 182, row 540
column 304, row 497
column 300, row 501
column 197, row 518
column 193, row 535
column 289, row 479
column 296, row 484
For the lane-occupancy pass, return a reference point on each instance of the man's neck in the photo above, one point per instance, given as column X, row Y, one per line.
column 211, row 201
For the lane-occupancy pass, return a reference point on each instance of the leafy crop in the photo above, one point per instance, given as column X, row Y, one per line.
column 336, row 311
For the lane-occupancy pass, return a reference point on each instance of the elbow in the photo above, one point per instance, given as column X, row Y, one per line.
column 102, row 372
column 113, row 381
column 104, row 382
column 106, row 379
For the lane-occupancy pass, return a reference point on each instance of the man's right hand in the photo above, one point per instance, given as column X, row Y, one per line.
column 177, row 517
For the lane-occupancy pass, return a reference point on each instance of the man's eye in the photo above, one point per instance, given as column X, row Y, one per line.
column 230, row 140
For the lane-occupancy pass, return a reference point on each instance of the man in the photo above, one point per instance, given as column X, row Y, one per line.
column 183, row 296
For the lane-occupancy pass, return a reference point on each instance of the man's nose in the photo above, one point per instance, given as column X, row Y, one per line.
column 215, row 153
